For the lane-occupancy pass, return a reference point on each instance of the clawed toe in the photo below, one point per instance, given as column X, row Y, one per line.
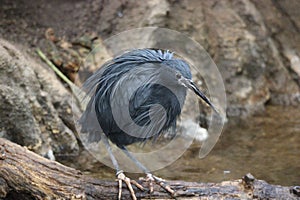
column 121, row 177
column 161, row 182
column 150, row 179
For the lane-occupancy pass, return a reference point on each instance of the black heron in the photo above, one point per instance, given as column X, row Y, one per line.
column 136, row 81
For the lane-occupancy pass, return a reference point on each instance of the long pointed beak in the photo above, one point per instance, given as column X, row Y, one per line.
column 190, row 84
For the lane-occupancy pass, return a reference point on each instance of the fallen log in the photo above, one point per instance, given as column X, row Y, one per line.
column 26, row 175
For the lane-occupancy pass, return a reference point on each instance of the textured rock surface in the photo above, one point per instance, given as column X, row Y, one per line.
column 35, row 107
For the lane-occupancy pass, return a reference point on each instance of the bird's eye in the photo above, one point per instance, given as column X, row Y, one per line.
column 178, row 76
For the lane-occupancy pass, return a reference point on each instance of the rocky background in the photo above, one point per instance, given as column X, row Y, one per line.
column 255, row 44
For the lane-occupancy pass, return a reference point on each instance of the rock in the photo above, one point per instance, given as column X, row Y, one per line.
column 34, row 105
column 157, row 12
column 17, row 122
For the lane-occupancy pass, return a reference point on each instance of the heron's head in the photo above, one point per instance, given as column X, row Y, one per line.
column 180, row 74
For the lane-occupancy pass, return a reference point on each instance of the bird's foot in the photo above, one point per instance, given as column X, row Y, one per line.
column 120, row 178
column 150, row 178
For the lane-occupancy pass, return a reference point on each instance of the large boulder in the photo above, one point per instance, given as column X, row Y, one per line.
column 36, row 109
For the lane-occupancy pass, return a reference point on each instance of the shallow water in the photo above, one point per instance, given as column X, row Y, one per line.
column 267, row 146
